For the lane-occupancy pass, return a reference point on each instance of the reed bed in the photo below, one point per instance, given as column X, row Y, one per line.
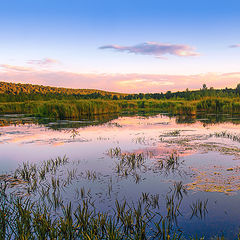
column 76, row 109
column 21, row 218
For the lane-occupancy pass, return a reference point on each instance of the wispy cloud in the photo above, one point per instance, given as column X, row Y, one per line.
column 43, row 62
column 234, row 46
column 7, row 67
column 156, row 49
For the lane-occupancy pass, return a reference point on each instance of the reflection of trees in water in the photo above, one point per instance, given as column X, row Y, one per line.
column 206, row 119
column 57, row 124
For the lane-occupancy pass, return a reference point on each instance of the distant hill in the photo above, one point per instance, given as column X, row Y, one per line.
column 17, row 92
column 18, row 88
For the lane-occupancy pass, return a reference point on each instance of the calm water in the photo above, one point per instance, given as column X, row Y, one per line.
column 208, row 165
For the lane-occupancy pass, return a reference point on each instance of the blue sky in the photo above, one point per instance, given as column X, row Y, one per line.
column 148, row 45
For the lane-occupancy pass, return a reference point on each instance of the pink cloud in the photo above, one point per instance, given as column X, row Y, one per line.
column 43, row 62
column 126, row 83
column 234, row 46
column 156, row 49
column 14, row 68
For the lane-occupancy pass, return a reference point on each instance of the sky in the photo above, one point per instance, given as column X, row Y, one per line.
column 126, row 46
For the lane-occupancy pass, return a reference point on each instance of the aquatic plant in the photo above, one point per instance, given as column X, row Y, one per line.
column 199, row 209
column 225, row 134
column 43, row 213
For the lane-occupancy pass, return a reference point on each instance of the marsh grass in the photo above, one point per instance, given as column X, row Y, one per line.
column 75, row 109
column 23, row 219
column 174, row 133
column 49, row 216
column 128, row 163
column 133, row 164
column 226, row 134
column 199, row 209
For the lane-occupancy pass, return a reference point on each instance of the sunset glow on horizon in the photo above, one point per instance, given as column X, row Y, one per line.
column 123, row 46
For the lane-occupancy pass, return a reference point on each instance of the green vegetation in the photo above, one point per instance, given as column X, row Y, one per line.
column 24, row 220
column 31, row 207
column 11, row 92
column 60, row 109
column 66, row 109
column 66, row 103
column 22, row 216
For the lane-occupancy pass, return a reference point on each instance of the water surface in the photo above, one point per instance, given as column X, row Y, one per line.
column 208, row 163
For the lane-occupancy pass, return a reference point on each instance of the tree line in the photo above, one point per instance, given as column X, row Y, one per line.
column 12, row 92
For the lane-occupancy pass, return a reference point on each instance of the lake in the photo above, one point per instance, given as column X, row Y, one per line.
column 132, row 157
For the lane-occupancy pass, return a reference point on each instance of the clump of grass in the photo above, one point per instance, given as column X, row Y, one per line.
column 170, row 164
column 26, row 172
column 172, row 160
column 226, row 134
column 174, row 133
column 128, row 163
column 115, row 152
column 151, row 199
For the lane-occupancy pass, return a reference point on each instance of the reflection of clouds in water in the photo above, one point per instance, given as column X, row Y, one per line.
column 56, row 144
column 55, row 141
column 161, row 151
column 40, row 136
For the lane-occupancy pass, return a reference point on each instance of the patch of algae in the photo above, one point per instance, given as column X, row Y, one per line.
column 225, row 181
column 211, row 179
column 200, row 142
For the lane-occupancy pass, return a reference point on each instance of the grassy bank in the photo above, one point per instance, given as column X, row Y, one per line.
column 60, row 109
column 78, row 108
